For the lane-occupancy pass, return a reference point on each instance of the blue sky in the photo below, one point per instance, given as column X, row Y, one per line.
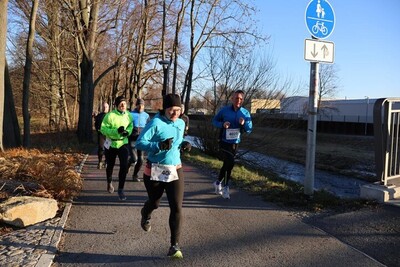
column 366, row 38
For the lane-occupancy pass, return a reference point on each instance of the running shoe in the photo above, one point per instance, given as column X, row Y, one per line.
column 217, row 187
column 110, row 188
column 175, row 252
column 145, row 222
column 225, row 192
column 121, row 195
column 135, row 178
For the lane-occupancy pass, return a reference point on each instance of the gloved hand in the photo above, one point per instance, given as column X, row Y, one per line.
column 121, row 129
column 186, row 146
column 166, row 144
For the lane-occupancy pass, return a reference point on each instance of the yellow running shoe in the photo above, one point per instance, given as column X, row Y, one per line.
column 175, row 252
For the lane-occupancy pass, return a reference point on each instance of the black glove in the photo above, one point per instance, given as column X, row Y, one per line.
column 166, row 144
column 121, row 129
column 125, row 133
column 186, row 146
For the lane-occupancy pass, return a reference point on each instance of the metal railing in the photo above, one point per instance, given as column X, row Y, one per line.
column 386, row 131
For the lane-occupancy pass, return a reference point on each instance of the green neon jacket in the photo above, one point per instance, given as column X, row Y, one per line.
column 111, row 122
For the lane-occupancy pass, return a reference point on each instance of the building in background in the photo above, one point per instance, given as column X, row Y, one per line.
column 269, row 106
column 342, row 110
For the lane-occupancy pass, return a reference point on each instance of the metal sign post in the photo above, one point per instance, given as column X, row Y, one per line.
column 311, row 129
column 320, row 22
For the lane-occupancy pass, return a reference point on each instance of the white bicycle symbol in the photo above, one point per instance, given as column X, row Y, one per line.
column 319, row 26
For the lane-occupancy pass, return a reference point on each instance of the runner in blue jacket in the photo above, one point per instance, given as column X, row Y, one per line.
column 233, row 120
column 140, row 119
column 162, row 139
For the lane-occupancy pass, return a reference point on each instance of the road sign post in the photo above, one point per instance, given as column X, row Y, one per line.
column 311, row 129
column 320, row 22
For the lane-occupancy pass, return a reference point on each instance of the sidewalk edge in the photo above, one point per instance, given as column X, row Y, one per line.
column 46, row 259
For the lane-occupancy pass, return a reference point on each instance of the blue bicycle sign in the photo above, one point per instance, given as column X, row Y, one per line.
column 320, row 18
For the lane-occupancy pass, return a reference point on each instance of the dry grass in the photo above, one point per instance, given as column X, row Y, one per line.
column 48, row 169
column 36, row 173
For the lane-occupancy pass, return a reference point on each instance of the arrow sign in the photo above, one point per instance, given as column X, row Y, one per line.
column 319, row 51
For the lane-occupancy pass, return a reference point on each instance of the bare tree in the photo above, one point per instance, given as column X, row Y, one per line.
column 3, row 34
column 27, row 74
column 12, row 135
column 229, row 20
column 176, row 47
column 124, row 36
column 86, row 21
column 328, row 85
column 231, row 68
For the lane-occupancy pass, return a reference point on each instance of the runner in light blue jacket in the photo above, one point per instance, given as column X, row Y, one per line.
column 159, row 129
column 140, row 119
column 162, row 139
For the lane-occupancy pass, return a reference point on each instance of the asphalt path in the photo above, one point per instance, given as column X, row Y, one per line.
column 242, row 231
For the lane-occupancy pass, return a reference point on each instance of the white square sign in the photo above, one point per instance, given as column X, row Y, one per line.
column 319, row 51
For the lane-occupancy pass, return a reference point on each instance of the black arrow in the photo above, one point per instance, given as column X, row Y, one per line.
column 314, row 53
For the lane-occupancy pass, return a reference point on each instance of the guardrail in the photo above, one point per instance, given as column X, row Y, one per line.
column 386, row 132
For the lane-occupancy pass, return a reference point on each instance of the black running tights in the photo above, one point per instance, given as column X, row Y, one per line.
column 174, row 191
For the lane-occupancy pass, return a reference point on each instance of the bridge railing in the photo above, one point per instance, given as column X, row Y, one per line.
column 386, row 132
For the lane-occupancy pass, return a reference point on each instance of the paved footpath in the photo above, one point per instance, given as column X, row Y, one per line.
column 242, row 231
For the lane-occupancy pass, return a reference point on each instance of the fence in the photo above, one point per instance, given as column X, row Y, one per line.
column 386, row 132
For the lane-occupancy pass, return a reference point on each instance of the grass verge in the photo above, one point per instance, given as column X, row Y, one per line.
column 277, row 190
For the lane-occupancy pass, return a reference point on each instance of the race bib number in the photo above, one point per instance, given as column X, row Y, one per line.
column 107, row 143
column 163, row 173
column 232, row 134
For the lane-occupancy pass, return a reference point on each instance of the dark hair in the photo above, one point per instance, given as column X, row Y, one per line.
column 139, row 101
column 239, row 92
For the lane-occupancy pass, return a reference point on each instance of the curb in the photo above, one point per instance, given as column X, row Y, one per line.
column 46, row 259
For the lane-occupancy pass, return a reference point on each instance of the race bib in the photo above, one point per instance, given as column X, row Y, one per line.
column 107, row 143
column 232, row 134
column 163, row 173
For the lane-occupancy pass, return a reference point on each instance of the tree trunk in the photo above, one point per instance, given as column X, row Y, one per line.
column 87, row 22
column 175, row 48
column 27, row 74
column 63, row 101
column 11, row 130
column 54, row 79
column 3, row 34
column 142, row 49
column 86, row 102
